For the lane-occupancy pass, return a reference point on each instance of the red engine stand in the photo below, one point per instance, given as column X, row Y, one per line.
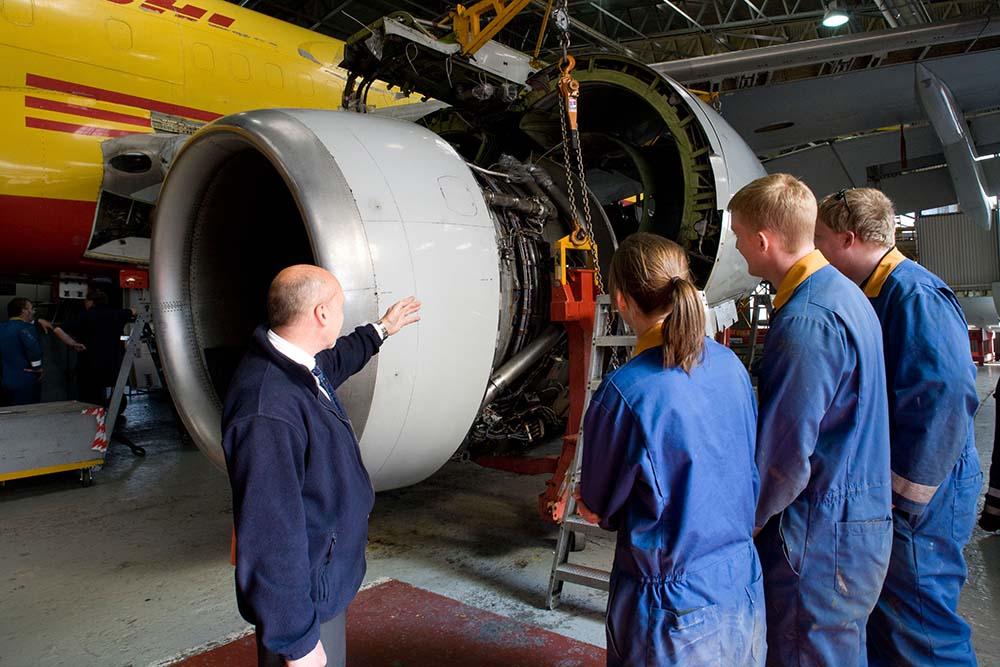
column 573, row 304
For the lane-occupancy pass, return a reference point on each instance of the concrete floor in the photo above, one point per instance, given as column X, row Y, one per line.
column 135, row 570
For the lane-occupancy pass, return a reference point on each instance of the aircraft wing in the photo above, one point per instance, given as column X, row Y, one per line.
column 844, row 129
column 834, row 119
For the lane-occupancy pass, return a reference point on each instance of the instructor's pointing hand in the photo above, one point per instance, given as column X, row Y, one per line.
column 401, row 314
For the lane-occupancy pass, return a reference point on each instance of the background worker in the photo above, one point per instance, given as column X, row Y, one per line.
column 932, row 403
column 301, row 494
column 20, row 355
column 822, row 438
column 668, row 464
column 96, row 334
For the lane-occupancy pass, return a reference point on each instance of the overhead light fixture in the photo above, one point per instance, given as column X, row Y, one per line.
column 834, row 16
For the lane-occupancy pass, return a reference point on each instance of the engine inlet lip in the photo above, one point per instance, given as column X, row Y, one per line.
column 332, row 223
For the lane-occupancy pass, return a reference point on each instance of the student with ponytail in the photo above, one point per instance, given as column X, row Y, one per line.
column 669, row 464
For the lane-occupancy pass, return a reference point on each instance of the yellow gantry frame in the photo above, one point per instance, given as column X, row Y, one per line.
column 471, row 35
column 469, row 29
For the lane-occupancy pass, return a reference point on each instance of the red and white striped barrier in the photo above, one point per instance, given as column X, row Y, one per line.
column 100, row 443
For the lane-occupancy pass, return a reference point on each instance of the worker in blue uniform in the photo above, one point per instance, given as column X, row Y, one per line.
column 932, row 402
column 989, row 520
column 20, row 355
column 824, row 518
column 668, row 464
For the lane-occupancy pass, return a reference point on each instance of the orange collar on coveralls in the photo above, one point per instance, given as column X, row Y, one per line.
column 802, row 269
column 873, row 284
column 650, row 338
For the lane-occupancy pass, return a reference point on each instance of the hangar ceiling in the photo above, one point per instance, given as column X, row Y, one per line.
column 835, row 106
column 654, row 31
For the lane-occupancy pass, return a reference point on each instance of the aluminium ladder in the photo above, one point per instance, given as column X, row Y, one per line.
column 758, row 299
column 603, row 345
column 143, row 320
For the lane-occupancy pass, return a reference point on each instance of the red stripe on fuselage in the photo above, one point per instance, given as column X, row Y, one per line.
column 103, row 95
column 42, row 236
column 88, row 112
column 72, row 128
column 221, row 21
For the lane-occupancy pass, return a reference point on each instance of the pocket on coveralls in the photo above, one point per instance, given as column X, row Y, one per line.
column 323, row 592
column 609, row 627
column 685, row 638
column 791, row 548
column 863, row 549
column 758, row 644
column 964, row 502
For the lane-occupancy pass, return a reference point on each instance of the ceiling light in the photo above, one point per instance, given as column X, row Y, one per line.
column 834, row 16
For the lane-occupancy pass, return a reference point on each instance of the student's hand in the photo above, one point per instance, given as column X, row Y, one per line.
column 584, row 511
column 78, row 347
column 314, row 658
column 400, row 314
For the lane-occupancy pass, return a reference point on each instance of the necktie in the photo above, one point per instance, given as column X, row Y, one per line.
column 324, row 381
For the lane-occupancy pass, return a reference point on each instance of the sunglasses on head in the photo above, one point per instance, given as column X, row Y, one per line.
column 842, row 196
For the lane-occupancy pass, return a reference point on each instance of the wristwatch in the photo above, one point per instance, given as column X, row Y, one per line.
column 381, row 329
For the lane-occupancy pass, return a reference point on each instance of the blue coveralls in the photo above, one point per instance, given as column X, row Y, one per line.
column 935, row 467
column 668, row 464
column 20, row 361
column 823, row 456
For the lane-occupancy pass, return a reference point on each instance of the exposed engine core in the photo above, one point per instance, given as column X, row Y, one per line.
column 462, row 216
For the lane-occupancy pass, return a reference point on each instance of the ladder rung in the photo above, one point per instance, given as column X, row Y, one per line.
column 578, row 524
column 595, row 384
column 583, row 575
column 614, row 341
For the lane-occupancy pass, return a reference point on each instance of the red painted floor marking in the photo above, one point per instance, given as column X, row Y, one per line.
column 398, row 625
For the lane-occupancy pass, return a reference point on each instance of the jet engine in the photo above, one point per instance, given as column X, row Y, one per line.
column 460, row 209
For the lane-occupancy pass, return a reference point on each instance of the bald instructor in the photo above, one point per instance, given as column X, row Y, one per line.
column 301, row 495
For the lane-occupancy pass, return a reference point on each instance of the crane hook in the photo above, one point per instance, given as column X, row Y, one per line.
column 569, row 88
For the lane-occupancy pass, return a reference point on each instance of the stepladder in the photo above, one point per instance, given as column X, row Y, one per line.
column 607, row 350
column 759, row 300
column 140, row 329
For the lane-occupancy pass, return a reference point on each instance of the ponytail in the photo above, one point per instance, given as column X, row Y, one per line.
column 683, row 326
column 654, row 273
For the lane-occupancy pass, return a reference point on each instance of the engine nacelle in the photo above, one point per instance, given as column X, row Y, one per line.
column 393, row 209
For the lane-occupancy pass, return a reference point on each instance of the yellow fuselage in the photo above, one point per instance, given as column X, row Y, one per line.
column 74, row 73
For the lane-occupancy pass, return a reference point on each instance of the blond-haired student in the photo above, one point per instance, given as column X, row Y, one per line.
column 822, row 437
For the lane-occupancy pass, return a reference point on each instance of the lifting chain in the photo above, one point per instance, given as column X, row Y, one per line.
column 569, row 95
